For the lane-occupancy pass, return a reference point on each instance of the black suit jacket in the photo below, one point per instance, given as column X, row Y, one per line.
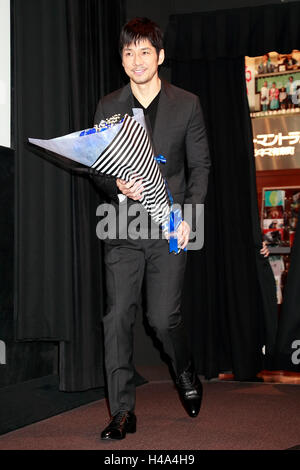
column 179, row 135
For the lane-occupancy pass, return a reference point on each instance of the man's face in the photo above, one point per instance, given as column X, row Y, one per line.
column 140, row 61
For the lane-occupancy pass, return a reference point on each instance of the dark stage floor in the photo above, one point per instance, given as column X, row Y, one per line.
column 234, row 416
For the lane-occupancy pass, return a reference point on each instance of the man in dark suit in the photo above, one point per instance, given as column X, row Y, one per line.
column 175, row 120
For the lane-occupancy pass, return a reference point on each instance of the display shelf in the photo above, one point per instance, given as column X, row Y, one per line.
column 279, row 250
column 279, row 215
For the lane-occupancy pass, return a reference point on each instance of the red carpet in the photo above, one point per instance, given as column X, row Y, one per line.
column 233, row 416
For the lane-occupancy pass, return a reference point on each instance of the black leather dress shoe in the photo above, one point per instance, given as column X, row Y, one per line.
column 121, row 423
column 190, row 391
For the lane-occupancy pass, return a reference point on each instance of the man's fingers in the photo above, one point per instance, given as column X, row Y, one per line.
column 183, row 234
column 265, row 252
column 127, row 184
column 183, row 246
column 130, row 188
column 130, row 184
column 136, row 189
column 133, row 190
column 137, row 195
column 181, row 238
column 183, row 241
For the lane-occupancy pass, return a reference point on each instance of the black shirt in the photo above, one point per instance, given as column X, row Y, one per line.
column 150, row 116
column 150, row 111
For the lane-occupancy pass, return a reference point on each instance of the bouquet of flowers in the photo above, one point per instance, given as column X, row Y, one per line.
column 120, row 147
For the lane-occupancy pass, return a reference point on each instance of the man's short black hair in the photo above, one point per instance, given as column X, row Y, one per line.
column 139, row 29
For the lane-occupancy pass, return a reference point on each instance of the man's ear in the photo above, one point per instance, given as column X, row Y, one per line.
column 161, row 56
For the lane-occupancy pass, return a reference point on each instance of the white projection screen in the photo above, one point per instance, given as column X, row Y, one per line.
column 5, row 81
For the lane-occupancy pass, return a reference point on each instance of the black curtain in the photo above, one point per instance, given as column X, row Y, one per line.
column 229, row 299
column 233, row 33
column 222, row 296
column 65, row 61
column 93, row 32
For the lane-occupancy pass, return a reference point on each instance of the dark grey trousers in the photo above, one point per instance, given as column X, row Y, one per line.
column 127, row 264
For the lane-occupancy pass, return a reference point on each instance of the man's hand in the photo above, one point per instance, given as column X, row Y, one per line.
column 183, row 234
column 265, row 250
column 132, row 189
